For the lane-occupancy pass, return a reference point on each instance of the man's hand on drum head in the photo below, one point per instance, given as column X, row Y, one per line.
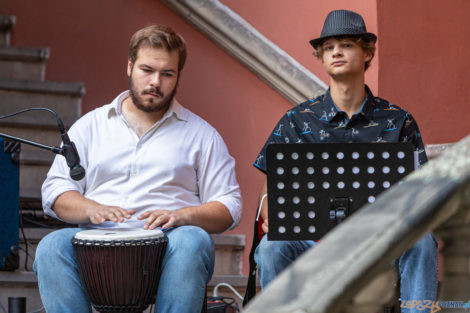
column 163, row 218
column 101, row 213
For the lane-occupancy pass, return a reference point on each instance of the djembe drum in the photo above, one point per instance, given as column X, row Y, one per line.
column 120, row 268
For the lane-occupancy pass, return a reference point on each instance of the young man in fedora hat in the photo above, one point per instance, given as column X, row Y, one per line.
column 347, row 112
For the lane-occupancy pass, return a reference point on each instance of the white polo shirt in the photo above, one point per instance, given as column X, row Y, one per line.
column 181, row 161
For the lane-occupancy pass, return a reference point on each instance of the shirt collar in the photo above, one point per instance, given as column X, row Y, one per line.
column 365, row 110
column 175, row 109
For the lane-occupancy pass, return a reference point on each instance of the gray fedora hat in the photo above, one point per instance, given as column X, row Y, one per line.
column 343, row 23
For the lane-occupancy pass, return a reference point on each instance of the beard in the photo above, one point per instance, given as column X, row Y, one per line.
column 152, row 105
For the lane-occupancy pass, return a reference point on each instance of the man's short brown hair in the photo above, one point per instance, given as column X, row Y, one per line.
column 158, row 36
column 367, row 46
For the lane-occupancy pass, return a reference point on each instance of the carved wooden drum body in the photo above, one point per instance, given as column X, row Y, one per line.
column 120, row 268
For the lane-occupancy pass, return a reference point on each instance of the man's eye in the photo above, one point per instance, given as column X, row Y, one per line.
column 328, row 48
column 167, row 74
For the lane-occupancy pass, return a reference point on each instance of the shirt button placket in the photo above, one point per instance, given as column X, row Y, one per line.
column 125, row 203
column 347, row 133
column 134, row 169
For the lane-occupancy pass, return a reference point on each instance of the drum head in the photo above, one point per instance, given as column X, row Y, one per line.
column 119, row 234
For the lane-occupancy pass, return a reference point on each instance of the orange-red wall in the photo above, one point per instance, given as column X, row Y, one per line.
column 424, row 63
column 422, row 69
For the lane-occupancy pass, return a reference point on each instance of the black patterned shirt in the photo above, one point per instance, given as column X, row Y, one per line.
column 320, row 121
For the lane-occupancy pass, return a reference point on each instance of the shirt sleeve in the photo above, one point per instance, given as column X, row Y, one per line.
column 410, row 133
column 217, row 178
column 284, row 132
column 58, row 178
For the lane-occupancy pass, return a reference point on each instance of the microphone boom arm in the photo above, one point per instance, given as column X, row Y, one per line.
column 68, row 149
column 54, row 149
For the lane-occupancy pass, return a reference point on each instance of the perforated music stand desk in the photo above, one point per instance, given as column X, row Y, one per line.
column 313, row 187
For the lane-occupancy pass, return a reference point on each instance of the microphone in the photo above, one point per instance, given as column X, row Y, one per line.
column 77, row 172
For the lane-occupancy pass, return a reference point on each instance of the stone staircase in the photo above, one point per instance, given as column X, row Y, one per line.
column 22, row 86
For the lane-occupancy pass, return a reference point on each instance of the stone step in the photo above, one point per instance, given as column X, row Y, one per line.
column 37, row 157
column 23, row 62
column 24, row 284
column 6, row 24
column 228, row 254
column 31, row 180
column 20, row 284
column 30, row 199
column 63, row 98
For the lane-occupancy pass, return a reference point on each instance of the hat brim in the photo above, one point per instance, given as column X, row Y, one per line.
column 369, row 37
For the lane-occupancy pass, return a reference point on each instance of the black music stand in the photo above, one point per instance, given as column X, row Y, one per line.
column 313, row 187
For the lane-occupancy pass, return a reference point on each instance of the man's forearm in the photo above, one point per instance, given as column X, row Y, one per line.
column 213, row 217
column 71, row 207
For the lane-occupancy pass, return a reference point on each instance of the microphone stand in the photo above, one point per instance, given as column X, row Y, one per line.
column 67, row 150
column 54, row 149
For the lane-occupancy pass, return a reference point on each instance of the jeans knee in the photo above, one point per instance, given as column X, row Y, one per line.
column 189, row 243
column 190, row 238
column 270, row 250
column 49, row 244
column 54, row 247
column 190, row 248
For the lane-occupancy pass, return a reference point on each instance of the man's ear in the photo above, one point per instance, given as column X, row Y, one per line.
column 129, row 67
column 369, row 55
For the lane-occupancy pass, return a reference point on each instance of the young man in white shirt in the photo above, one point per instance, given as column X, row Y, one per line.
column 149, row 163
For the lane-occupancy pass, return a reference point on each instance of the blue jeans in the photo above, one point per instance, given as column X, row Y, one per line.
column 417, row 267
column 186, row 269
